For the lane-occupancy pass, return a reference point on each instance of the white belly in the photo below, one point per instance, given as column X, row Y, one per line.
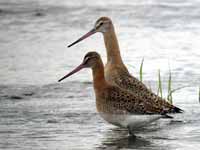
column 130, row 121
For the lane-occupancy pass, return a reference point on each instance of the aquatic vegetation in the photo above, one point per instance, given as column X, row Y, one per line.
column 169, row 97
column 159, row 91
column 199, row 94
column 141, row 69
column 159, row 85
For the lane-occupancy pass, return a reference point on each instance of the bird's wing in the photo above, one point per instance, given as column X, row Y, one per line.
column 124, row 101
column 128, row 82
column 136, row 87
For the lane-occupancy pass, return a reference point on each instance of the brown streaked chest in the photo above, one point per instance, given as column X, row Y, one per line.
column 103, row 101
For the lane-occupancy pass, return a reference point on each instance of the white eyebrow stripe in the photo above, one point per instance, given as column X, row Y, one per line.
column 87, row 58
column 102, row 22
column 99, row 23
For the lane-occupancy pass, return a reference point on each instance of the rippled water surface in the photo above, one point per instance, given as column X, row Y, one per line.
column 36, row 112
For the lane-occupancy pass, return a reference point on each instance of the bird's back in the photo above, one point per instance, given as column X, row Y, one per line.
column 115, row 100
column 119, row 76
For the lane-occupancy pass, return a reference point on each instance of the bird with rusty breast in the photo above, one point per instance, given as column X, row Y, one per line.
column 115, row 70
column 118, row 106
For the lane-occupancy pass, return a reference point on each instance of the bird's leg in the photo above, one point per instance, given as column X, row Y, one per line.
column 130, row 131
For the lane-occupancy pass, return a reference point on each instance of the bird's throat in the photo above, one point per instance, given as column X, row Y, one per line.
column 98, row 77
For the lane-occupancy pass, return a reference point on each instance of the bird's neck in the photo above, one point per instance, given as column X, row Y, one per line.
column 112, row 47
column 98, row 77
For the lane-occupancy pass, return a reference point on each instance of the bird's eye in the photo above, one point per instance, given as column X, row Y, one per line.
column 86, row 59
column 101, row 24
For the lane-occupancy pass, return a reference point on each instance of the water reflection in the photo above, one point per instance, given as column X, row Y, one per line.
column 118, row 138
column 150, row 137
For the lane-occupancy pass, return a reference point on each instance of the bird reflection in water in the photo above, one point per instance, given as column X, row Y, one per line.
column 118, row 138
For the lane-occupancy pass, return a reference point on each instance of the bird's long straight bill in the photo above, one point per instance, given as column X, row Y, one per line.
column 83, row 37
column 81, row 66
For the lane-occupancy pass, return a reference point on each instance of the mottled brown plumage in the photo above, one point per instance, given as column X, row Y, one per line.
column 115, row 70
column 113, row 100
column 125, row 81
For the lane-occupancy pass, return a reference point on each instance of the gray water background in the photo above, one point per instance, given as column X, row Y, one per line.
column 36, row 112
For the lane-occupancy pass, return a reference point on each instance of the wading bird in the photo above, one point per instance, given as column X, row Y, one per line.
column 118, row 106
column 115, row 70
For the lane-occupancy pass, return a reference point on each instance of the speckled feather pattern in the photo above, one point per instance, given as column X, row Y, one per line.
column 115, row 100
column 124, row 80
column 122, row 93
column 117, row 74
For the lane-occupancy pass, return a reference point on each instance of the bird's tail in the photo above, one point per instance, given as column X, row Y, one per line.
column 172, row 110
column 177, row 110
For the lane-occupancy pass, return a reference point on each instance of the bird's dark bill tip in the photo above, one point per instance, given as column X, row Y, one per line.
column 69, row 45
column 178, row 110
column 59, row 80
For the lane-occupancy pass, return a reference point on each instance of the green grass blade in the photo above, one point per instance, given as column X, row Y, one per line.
column 158, row 90
column 169, row 97
column 160, row 84
column 199, row 94
column 179, row 88
column 141, row 70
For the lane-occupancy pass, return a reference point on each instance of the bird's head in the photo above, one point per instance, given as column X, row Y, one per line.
column 91, row 60
column 103, row 25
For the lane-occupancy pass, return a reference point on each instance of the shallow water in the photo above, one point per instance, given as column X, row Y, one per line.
column 36, row 112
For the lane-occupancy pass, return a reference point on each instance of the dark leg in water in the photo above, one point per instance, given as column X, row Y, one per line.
column 130, row 131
